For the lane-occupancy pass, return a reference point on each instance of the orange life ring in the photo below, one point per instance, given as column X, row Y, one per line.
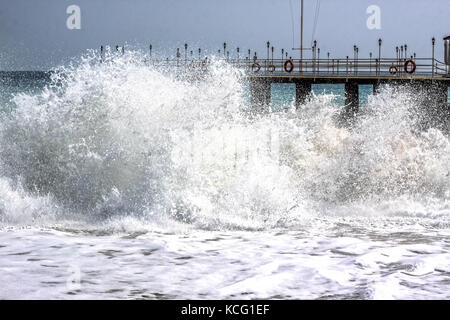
column 393, row 70
column 271, row 68
column 257, row 66
column 291, row 65
column 414, row 66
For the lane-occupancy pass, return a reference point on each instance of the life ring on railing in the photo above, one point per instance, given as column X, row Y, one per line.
column 291, row 66
column 414, row 66
column 271, row 68
column 256, row 67
column 393, row 70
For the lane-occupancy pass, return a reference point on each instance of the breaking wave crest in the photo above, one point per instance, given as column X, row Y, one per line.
column 121, row 139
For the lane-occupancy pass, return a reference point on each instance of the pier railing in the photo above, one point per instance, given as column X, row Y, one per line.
column 328, row 67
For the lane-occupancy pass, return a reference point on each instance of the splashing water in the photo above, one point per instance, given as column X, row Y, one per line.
column 121, row 138
column 123, row 147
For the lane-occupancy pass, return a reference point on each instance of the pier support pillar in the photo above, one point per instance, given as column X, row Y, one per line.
column 436, row 104
column 376, row 87
column 440, row 91
column 267, row 95
column 302, row 92
column 351, row 98
column 260, row 95
column 431, row 105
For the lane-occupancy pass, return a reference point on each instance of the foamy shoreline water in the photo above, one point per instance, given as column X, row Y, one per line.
column 339, row 261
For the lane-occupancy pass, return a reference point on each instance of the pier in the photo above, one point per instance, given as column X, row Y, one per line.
column 426, row 75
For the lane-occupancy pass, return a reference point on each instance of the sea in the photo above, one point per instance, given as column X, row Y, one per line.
column 124, row 180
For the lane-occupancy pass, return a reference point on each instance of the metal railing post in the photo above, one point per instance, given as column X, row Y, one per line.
column 346, row 67
column 379, row 55
column 377, row 71
column 328, row 63
column 432, row 59
column 318, row 61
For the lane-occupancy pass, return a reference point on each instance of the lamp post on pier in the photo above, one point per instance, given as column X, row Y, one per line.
column 314, row 56
column 272, row 54
column 402, row 48
column 397, row 50
column 347, row 67
column 328, row 62
column 318, row 60
column 301, row 38
column 432, row 59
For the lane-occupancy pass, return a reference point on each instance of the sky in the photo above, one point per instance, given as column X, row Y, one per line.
column 34, row 34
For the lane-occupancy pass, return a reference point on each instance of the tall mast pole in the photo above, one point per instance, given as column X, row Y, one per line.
column 301, row 38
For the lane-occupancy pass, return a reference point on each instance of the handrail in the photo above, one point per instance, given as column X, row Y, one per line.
column 322, row 67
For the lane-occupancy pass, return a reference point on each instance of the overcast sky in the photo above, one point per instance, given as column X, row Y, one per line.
column 34, row 35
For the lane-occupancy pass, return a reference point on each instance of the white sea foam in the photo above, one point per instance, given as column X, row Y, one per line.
column 121, row 138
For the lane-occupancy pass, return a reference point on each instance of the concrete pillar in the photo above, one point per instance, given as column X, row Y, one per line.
column 376, row 87
column 302, row 92
column 351, row 98
column 434, row 111
column 267, row 95
column 435, row 94
column 260, row 94
column 440, row 90
column 438, row 94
